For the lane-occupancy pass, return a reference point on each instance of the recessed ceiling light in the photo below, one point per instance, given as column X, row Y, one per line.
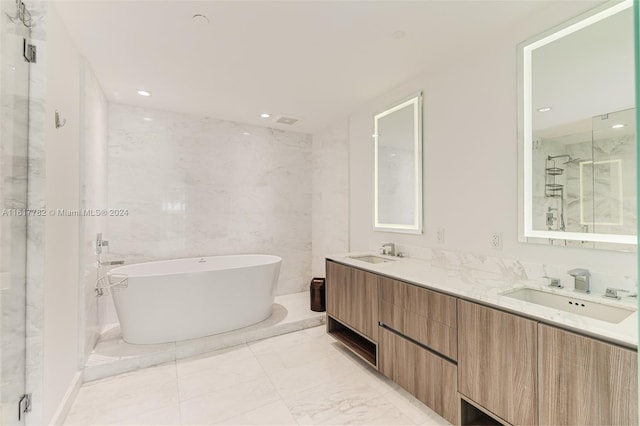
column 398, row 34
column 246, row 133
column 617, row 126
column 200, row 19
column 544, row 109
column 12, row 68
column 144, row 93
column 147, row 118
column 265, row 115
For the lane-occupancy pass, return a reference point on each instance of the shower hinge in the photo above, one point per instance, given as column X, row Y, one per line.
column 28, row 51
column 24, row 405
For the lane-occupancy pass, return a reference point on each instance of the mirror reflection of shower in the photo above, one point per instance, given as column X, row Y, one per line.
column 554, row 190
column 584, row 176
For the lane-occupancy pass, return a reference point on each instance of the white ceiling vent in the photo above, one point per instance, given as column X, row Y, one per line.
column 287, row 119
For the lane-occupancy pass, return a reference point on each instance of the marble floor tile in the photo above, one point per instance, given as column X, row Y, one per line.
column 316, row 332
column 321, row 402
column 165, row 416
column 305, row 354
column 413, row 408
column 297, row 379
column 214, row 359
column 218, row 377
column 376, row 411
column 365, row 373
column 226, row 403
column 109, row 401
column 280, row 343
column 304, row 377
column 275, row 413
column 193, row 347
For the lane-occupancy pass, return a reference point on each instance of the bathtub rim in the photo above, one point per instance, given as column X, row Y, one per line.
column 115, row 274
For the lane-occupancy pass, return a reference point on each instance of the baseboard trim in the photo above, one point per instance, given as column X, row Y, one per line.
column 67, row 401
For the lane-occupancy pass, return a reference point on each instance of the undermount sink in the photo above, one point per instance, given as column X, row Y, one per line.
column 371, row 259
column 574, row 305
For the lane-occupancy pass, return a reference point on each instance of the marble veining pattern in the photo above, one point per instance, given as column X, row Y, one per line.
column 196, row 186
column 330, row 205
column 244, row 385
column 607, row 203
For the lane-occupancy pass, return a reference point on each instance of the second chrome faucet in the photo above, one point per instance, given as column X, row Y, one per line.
column 389, row 249
column 581, row 279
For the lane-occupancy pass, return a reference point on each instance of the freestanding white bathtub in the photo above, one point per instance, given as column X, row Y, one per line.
column 184, row 299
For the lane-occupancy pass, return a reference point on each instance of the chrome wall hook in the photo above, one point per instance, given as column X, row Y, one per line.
column 59, row 123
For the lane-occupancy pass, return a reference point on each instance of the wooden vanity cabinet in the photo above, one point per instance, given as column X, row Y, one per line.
column 427, row 376
column 584, row 381
column 352, row 298
column 423, row 315
column 497, row 368
column 471, row 363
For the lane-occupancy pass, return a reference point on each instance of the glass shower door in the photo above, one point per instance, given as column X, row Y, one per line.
column 613, row 173
column 14, row 115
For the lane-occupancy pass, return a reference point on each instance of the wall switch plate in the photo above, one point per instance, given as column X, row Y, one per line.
column 440, row 235
column 496, row 240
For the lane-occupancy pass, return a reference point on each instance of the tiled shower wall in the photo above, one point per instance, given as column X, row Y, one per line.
column 195, row 186
column 615, row 200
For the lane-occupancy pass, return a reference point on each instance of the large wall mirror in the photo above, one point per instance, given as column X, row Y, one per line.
column 577, row 132
column 398, row 167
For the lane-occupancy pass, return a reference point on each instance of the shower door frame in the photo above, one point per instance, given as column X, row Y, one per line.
column 17, row 54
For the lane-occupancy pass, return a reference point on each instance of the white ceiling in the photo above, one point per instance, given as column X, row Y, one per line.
column 311, row 59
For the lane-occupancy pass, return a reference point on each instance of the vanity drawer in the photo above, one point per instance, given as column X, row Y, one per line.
column 423, row 315
column 427, row 376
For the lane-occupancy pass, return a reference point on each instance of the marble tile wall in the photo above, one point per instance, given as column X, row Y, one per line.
column 196, row 186
column 477, row 267
column 330, row 218
column 600, row 193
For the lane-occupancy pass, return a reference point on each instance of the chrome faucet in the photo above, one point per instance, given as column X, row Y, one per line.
column 389, row 249
column 581, row 279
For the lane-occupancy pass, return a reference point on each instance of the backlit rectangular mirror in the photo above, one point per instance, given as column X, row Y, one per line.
column 577, row 129
column 398, row 167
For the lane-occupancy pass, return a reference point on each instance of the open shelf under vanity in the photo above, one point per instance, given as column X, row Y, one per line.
column 359, row 345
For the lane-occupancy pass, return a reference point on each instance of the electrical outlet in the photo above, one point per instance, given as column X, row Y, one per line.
column 496, row 240
column 440, row 235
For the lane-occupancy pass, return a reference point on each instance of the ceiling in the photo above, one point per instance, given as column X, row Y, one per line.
column 314, row 60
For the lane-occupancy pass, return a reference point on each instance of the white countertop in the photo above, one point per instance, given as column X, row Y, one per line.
column 487, row 288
